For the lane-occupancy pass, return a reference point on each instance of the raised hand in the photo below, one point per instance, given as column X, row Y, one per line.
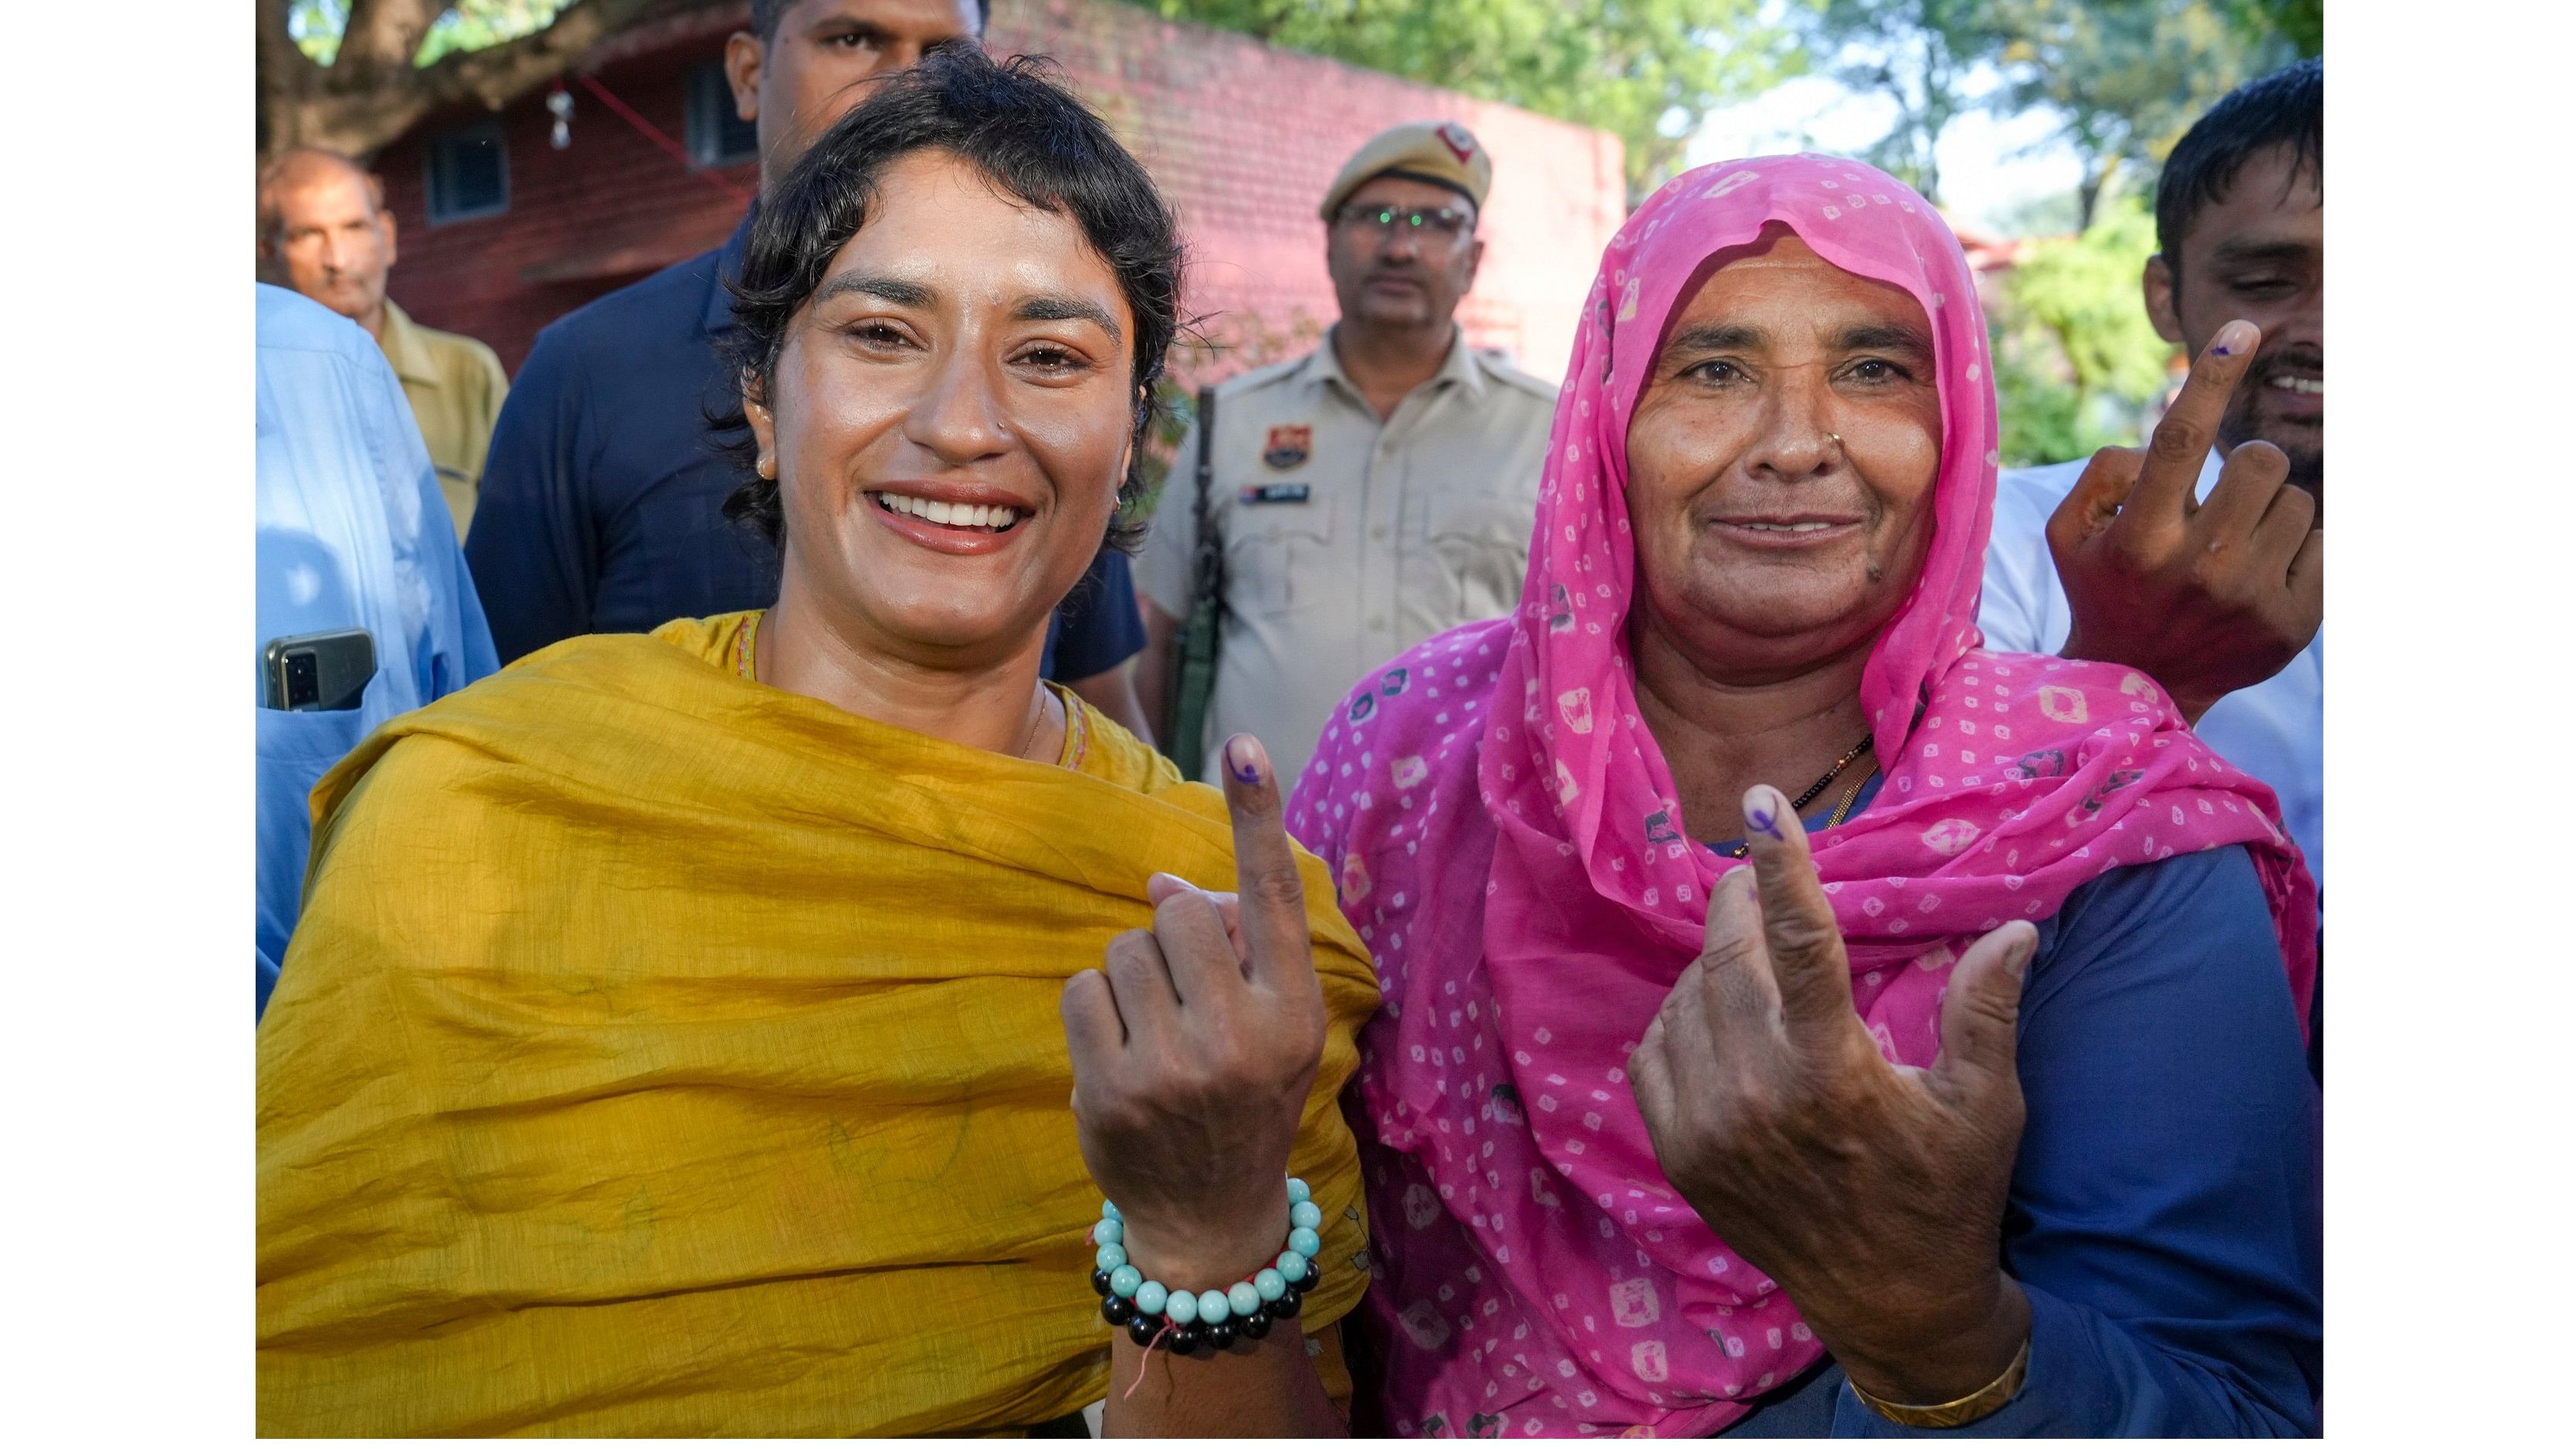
column 2207, row 597
column 1872, row 1193
column 1194, row 1049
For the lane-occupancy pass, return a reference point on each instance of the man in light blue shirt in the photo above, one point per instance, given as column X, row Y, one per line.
column 353, row 534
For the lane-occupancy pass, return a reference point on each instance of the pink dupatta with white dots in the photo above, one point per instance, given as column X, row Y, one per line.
column 1506, row 838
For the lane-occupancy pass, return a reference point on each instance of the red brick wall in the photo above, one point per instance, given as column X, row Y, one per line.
column 611, row 198
column 1242, row 137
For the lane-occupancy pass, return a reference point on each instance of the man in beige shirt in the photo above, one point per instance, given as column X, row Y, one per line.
column 324, row 231
column 1371, row 494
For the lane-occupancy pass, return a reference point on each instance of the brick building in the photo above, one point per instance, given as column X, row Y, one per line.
column 503, row 232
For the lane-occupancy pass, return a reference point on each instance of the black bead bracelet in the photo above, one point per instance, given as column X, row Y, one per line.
column 1184, row 1338
column 1186, row 1322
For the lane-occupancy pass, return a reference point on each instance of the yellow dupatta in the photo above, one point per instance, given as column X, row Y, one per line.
column 662, row 1053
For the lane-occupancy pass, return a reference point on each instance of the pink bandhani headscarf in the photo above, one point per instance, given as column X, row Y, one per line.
column 1506, row 838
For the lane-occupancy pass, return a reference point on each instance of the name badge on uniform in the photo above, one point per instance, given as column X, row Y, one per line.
column 1274, row 493
column 1288, row 447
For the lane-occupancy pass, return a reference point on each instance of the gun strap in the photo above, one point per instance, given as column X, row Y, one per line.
column 1203, row 515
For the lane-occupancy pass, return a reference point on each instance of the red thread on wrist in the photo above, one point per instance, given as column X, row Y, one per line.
column 1149, row 1353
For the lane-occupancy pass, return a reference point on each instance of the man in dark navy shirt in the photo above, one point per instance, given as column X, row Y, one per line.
column 602, row 499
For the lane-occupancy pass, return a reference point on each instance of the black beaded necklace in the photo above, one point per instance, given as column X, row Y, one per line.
column 1816, row 789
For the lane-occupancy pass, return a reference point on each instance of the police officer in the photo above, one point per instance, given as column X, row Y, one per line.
column 1370, row 494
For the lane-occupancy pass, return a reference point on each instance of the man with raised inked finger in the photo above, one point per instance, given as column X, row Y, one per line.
column 2200, row 559
column 1960, row 1086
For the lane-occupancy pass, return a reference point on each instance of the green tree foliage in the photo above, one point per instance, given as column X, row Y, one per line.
column 1920, row 54
column 2300, row 23
column 2126, row 77
column 2077, row 365
column 1646, row 70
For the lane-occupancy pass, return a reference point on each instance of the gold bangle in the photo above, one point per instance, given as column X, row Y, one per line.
column 1958, row 1411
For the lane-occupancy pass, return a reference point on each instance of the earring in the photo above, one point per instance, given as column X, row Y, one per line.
column 767, row 470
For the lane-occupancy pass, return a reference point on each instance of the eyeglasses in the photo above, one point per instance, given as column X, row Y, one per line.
column 1444, row 224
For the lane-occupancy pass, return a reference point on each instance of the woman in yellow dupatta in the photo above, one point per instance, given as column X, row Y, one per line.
column 670, row 1044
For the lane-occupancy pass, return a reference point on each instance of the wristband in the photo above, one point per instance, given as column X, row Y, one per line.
column 1958, row 1411
column 1213, row 1318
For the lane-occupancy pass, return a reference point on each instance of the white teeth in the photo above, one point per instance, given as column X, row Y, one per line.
column 1790, row 527
column 953, row 515
column 2309, row 386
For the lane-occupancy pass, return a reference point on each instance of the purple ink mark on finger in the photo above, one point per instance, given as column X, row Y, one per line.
column 1764, row 821
column 1243, row 759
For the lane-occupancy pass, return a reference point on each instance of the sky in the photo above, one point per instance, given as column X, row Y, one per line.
column 1984, row 178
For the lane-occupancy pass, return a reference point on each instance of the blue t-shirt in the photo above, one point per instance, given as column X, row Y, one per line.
column 353, row 534
column 2165, row 1211
column 601, row 508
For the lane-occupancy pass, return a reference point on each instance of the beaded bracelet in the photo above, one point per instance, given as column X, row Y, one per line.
column 1186, row 1321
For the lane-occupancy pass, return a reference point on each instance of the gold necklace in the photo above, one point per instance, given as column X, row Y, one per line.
column 1818, row 788
column 1843, row 810
column 1039, row 722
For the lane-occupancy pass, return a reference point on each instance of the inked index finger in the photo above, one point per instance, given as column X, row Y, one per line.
column 2169, row 481
column 1271, row 900
column 1798, row 928
column 1743, row 1000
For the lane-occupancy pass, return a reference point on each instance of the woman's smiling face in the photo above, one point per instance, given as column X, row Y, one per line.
column 1781, row 462
column 950, row 417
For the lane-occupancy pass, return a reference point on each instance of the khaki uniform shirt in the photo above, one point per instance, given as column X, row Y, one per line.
column 1348, row 540
column 455, row 386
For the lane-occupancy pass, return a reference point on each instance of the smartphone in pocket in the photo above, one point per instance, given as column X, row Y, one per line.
column 318, row 671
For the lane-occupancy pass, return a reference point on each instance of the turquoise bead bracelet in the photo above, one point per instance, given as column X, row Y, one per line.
column 1186, row 1322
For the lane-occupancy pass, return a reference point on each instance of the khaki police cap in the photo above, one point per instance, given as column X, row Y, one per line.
column 1438, row 151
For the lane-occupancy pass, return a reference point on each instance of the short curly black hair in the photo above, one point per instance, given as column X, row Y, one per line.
column 1016, row 123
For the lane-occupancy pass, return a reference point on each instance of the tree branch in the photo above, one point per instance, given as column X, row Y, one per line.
column 283, row 73
column 501, row 73
column 358, row 106
column 384, row 34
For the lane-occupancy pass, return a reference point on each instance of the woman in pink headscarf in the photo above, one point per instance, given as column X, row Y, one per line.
column 1978, row 1097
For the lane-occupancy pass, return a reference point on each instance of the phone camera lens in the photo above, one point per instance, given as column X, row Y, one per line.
column 303, row 680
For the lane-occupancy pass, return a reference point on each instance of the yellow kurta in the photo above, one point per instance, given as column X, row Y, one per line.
column 662, row 1053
